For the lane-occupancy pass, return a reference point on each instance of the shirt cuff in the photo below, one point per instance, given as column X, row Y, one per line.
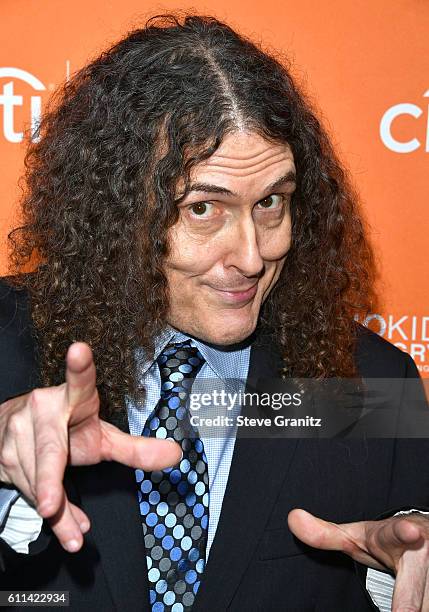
column 20, row 524
column 7, row 497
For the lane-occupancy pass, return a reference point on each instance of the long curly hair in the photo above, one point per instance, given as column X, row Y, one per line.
column 100, row 198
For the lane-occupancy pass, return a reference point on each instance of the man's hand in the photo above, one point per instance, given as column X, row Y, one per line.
column 399, row 543
column 43, row 431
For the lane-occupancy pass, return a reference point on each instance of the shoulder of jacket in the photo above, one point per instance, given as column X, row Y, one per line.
column 13, row 303
column 378, row 357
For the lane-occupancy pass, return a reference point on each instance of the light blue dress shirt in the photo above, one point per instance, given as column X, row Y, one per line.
column 222, row 366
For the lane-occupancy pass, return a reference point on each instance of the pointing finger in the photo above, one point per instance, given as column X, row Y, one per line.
column 81, row 387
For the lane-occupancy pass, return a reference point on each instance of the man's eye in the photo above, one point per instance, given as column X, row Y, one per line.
column 272, row 202
column 201, row 209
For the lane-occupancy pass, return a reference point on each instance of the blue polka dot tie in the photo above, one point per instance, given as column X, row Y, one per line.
column 174, row 502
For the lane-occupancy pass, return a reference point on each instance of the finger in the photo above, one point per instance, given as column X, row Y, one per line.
column 425, row 602
column 51, row 458
column 348, row 538
column 314, row 531
column 64, row 524
column 390, row 538
column 13, row 424
column 81, row 390
column 25, row 453
column 80, row 517
column 410, row 583
column 405, row 532
column 20, row 482
column 137, row 451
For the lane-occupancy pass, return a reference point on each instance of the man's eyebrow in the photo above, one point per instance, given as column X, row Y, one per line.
column 209, row 188
column 289, row 177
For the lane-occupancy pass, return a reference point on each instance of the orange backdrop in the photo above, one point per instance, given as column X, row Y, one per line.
column 364, row 64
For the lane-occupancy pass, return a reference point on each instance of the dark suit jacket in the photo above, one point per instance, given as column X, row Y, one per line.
column 255, row 563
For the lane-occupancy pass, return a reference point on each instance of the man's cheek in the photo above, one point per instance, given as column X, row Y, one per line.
column 275, row 243
column 276, row 249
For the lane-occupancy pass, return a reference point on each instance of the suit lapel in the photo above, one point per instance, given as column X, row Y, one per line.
column 258, row 469
column 109, row 497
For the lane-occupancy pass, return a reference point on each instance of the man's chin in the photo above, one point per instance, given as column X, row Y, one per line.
column 226, row 336
column 222, row 331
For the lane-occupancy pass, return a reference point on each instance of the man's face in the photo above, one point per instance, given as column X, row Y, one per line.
column 229, row 244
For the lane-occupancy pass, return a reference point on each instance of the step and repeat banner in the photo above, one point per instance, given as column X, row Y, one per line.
column 364, row 65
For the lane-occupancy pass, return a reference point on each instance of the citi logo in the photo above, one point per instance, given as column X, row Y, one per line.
column 392, row 113
column 9, row 100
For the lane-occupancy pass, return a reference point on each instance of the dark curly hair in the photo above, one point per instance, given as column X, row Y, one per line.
column 100, row 198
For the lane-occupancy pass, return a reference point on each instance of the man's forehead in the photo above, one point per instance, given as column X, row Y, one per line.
column 244, row 158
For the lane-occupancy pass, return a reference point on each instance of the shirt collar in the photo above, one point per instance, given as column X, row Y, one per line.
column 223, row 362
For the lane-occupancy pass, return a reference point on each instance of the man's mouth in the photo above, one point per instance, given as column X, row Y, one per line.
column 239, row 295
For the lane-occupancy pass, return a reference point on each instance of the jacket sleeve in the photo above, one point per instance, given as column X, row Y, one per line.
column 409, row 487
column 21, row 528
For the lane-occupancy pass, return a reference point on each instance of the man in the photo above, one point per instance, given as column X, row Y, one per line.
column 191, row 221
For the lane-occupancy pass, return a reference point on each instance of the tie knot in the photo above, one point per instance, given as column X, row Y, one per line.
column 179, row 361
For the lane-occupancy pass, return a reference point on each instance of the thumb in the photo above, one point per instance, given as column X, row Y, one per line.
column 138, row 451
column 349, row 538
column 316, row 532
column 80, row 376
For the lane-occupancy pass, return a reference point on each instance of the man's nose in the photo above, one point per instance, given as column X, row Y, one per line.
column 244, row 252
